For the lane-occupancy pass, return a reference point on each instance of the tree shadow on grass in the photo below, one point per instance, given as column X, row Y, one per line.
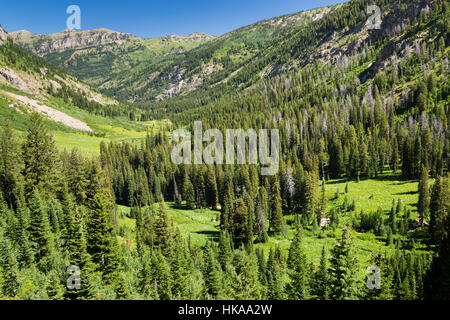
column 340, row 181
column 211, row 235
column 178, row 206
column 406, row 193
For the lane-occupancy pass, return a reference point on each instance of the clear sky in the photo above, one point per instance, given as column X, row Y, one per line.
column 148, row 18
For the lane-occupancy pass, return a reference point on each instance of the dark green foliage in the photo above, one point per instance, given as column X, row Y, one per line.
column 40, row 155
column 298, row 287
column 424, row 195
column 102, row 242
column 343, row 283
column 211, row 274
column 276, row 212
column 241, row 233
column 321, row 285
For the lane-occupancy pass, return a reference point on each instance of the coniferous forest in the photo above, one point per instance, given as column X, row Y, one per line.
column 363, row 177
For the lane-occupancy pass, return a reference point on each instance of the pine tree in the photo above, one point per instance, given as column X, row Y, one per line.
column 147, row 287
column 323, row 201
column 275, row 275
column 41, row 237
column 8, row 270
column 299, row 185
column 102, row 242
column 179, row 273
column 385, row 291
column 251, row 288
column 211, row 274
column 261, row 216
column 224, row 250
column 10, row 165
column 76, row 176
column 164, row 233
column 321, row 279
column 227, row 206
column 298, row 288
column 211, row 193
column 188, row 192
column 240, row 223
column 311, row 196
column 160, row 275
column 423, row 204
column 40, row 157
column 343, row 284
column 438, row 209
column 276, row 212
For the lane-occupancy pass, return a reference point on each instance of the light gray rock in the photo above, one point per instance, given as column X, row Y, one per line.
column 3, row 35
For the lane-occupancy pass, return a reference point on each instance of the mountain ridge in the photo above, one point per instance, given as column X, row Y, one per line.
column 158, row 65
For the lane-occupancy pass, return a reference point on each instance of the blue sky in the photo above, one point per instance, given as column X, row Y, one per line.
column 149, row 18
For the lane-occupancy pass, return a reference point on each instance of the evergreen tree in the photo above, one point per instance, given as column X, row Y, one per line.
column 240, row 223
column 211, row 193
column 102, row 242
column 164, row 233
column 9, row 271
column 298, row 287
column 211, row 274
column 343, row 284
column 275, row 275
column 423, row 204
column 40, row 157
column 224, row 250
column 321, row 280
column 438, row 209
column 276, row 213
column 41, row 237
column 10, row 165
column 188, row 192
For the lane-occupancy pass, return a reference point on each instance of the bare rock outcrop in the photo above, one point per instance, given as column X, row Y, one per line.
column 3, row 35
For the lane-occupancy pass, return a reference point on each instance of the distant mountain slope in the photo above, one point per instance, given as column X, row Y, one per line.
column 133, row 69
column 103, row 57
column 29, row 83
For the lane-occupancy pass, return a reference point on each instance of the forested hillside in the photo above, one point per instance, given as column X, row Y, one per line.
column 363, row 181
column 133, row 69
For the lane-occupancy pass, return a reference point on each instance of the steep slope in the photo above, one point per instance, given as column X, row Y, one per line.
column 28, row 83
column 103, row 57
column 344, row 55
column 144, row 70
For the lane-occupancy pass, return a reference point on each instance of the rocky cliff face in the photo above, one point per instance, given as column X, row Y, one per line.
column 69, row 39
column 3, row 35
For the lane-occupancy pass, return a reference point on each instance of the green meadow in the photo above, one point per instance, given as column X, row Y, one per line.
column 203, row 225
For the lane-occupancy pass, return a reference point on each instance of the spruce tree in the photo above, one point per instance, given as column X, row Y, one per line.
column 102, row 242
column 343, row 282
column 240, row 223
column 321, row 279
column 40, row 157
column 10, row 165
column 439, row 203
column 188, row 192
column 211, row 273
column 298, row 288
column 40, row 232
column 423, row 204
column 276, row 212
column 211, row 193
column 8, row 270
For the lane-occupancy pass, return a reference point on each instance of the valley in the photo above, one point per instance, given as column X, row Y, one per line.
column 87, row 178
